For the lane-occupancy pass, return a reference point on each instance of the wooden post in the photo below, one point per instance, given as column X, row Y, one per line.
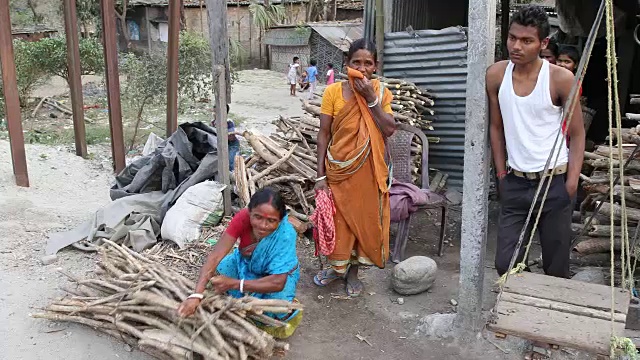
column 219, row 39
column 113, row 83
column 11, row 100
column 75, row 79
column 172, row 67
column 380, row 34
column 221, row 134
column 146, row 18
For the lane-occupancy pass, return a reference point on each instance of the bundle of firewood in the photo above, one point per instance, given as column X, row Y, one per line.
column 411, row 105
column 135, row 299
column 278, row 162
column 596, row 184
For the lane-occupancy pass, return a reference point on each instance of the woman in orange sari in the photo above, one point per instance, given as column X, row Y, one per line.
column 356, row 118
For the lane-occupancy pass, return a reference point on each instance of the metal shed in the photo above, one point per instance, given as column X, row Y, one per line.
column 436, row 60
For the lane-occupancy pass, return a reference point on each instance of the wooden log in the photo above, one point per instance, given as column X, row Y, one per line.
column 604, row 163
column 632, row 214
column 601, row 259
column 596, row 246
column 293, row 162
column 276, row 165
column 604, row 230
column 311, row 109
column 240, row 173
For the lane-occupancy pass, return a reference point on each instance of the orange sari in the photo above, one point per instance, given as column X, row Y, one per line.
column 358, row 177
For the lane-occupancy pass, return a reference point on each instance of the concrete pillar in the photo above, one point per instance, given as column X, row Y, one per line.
column 480, row 54
column 388, row 15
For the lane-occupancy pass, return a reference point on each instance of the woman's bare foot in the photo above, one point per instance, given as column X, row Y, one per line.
column 354, row 285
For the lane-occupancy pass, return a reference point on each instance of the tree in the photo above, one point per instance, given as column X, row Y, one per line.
column 266, row 16
column 121, row 13
column 88, row 12
column 29, row 73
column 52, row 56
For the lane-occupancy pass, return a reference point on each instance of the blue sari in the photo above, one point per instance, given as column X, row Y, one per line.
column 273, row 255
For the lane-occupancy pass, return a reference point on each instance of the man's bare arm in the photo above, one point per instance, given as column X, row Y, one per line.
column 496, row 129
column 564, row 83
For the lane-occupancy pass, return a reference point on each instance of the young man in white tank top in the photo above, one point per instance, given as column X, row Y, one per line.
column 526, row 96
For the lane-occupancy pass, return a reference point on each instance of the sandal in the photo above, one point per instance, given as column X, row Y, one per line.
column 326, row 277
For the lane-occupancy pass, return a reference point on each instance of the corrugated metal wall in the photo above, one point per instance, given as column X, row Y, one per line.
column 436, row 60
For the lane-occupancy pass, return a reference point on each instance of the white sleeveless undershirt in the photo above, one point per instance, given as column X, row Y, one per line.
column 531, row 123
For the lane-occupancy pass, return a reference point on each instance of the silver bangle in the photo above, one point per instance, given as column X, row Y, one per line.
column 374, row 103
column 242, row 286
column 196, row 296
column 321, row 178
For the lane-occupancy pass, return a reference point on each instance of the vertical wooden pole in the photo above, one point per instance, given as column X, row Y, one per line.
column 219, row 39
column 380, row 34
column 172, row 67
column 113, row 83
column 148, row 22
column 221, row 133
column 12, row 102
column 75, row 72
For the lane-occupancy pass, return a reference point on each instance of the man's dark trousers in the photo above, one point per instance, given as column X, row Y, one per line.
column 554, row 227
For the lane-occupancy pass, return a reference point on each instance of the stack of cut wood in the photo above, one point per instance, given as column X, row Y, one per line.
column 595, row 181
column 135, row 299
column 281, row 163
column 411, row 104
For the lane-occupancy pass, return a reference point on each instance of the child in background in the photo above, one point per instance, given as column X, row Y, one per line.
column 568, row 58
column 330, row 74
column 551, row 52
column 234, row 144
column 292, row 75
column 304, row 81
column 312, row 73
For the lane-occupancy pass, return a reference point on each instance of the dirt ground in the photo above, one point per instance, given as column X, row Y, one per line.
column 65, row 190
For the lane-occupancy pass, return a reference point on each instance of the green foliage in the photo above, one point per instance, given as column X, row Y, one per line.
column 194, row 66
column 265, row 17
column 52, row 55
column 29, row 71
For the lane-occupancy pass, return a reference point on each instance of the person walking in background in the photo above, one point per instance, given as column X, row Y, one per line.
column 526, row 98
column 293, row 74
column 312, row 74
column 234, row 143
column 330, row 74
column 355, row 121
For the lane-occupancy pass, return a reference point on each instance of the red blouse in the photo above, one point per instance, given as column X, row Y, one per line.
column 240, row 228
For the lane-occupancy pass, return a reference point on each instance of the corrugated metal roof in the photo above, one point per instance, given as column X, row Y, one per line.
column 340, row 34
column 287, row 36
column 32, row 29
column 436, row 60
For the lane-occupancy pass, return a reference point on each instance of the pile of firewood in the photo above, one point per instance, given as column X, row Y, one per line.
column 135, row 299
column 596, row 179
column 411, row 105
column 279, row 163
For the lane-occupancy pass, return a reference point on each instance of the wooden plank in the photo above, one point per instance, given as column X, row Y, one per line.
column 567, row 291
column 562, row 307
column 555, row 327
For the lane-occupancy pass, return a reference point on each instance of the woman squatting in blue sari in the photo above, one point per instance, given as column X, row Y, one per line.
column 264, row 265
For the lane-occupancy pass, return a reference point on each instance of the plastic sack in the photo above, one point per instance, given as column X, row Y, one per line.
column 200, row 205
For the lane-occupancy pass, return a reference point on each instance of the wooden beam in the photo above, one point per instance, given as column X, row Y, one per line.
column 75, row 76
column 172, row 67
column 113, row 83
column 219, row 39
column 221, row 134
column 12, row 101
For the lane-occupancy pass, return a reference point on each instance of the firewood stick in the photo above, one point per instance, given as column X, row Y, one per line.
column 282, row 179
column 277, row 164
column 596, row 245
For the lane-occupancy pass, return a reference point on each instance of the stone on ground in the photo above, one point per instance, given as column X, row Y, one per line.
column 593, row 275
column 414, row 275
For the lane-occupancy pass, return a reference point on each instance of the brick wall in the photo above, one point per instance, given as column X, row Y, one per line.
column 241, row 28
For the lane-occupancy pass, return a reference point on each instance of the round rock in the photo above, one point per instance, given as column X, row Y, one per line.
column 414, row 275
column 49, row 259
column 593, row 275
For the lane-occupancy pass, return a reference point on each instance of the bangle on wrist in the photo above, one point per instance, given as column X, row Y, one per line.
column 198, row 296
column 374, row 102
column 502, row 174
column 242, row 286
column 321, row 178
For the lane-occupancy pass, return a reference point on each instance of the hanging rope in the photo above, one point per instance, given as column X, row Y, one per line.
column 567, row 115
column 619, row 345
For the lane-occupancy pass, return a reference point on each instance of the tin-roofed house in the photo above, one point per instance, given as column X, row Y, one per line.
column 326, row 42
